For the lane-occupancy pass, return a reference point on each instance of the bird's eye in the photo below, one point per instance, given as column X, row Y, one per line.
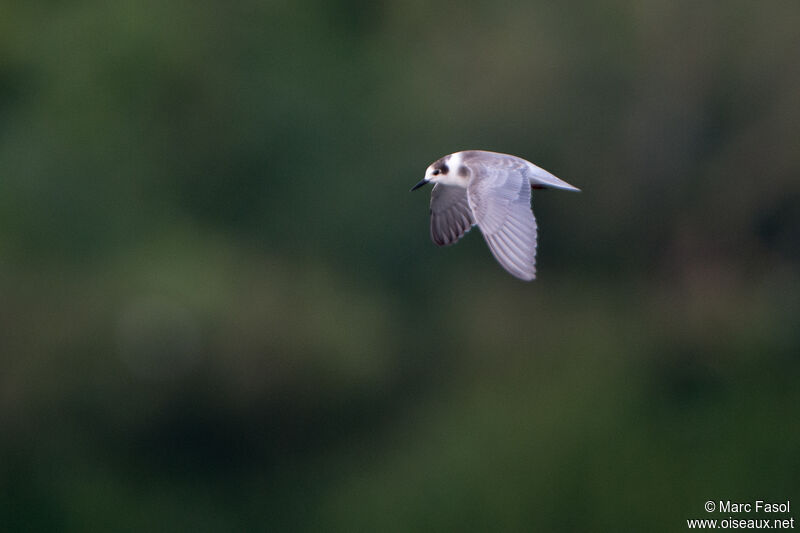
column 436, row 172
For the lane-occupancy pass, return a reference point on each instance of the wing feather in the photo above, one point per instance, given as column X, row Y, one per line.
column 500, row 199
column 451, row 216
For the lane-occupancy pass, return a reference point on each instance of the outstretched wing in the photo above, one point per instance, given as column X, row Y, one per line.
column 500, row 198
column 451, row 216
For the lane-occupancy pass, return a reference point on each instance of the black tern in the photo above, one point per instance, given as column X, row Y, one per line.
column 491, row 190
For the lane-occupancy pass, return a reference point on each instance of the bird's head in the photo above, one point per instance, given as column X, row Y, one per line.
column 439, row 171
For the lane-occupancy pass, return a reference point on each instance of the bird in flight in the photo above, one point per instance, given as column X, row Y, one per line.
column 493, row 191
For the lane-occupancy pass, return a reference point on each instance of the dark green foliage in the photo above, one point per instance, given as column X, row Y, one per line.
column 220, row 309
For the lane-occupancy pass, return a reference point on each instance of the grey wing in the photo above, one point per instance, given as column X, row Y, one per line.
column 451, row 216
column 500, row 199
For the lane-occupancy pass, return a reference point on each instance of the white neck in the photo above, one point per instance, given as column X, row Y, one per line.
column 452, row 177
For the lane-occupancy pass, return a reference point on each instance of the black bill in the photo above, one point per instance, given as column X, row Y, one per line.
column 420, row 184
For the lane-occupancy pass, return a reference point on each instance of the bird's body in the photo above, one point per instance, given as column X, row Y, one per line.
column 491, row 190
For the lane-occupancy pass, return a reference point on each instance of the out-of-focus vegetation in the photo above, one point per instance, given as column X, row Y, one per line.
column 220, row 308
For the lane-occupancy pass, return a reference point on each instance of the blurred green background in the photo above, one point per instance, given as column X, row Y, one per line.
column 220, row 308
